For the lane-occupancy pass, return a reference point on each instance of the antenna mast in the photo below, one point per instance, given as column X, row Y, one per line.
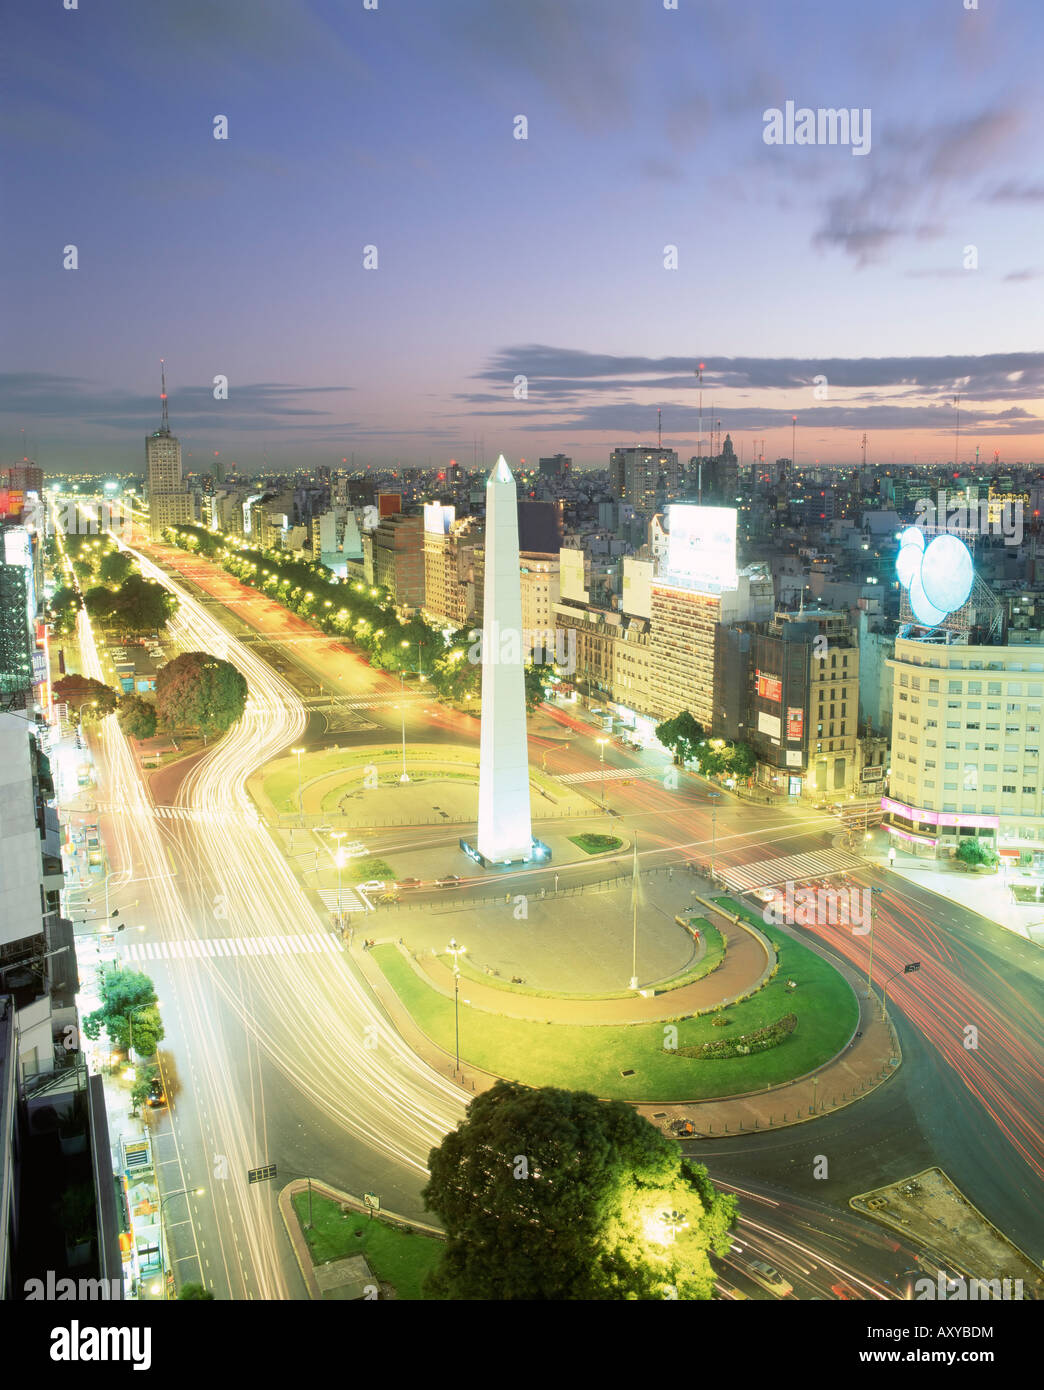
column 659, row 431
column 165, row 425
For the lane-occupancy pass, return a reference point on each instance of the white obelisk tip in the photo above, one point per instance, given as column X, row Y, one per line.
column 502, row 473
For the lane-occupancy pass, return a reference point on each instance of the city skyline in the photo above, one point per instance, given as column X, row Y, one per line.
column 899, row 279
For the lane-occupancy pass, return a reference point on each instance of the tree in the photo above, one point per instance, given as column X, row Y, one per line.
column 552, row 1194
column 115, row 567
column 538, row 676
column 128, row 1009
column 972, row 850
column 142, row 1087
column 200, row 692
column 78, row 692
column 100, row 603
column 64, row 604
column 744, row 760
column 681, row 735
column 137, row 717
column 142, row 605
column 194, row 1291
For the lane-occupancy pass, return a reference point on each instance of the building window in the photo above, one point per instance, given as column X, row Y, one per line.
column 1008, row 790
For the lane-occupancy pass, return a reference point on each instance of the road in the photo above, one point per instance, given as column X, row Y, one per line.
column 318, row 1095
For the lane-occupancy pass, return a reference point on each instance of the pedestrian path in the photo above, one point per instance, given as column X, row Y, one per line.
column 349, row 900
column 302, row 944
column 769, row 873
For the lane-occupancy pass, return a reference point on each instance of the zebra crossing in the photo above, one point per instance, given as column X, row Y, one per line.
column 611, row 774
column 204, row 948
column 791, row 868
column 350, row 900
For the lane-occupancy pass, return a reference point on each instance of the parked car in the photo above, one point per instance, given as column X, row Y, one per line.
column 373, row 885
column 450, row 881
column 769, row 1278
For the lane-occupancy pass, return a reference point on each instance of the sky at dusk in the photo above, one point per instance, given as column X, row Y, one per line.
column 500, row 258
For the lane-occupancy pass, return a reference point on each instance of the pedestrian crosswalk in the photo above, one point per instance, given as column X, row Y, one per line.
column 792, row 868
column 611, row 774
column 349, row 901
column 203, row 948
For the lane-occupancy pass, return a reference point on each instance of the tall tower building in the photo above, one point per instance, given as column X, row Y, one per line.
column 169, row 502
column 505, row 828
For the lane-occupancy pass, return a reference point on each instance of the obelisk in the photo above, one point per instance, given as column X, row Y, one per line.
column 505, row 828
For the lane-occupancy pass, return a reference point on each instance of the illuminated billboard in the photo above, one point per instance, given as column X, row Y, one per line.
column 795, row 723
column 701, row 547
column 438, row 518
column 938, row 576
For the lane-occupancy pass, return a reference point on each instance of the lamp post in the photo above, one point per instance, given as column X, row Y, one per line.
column 455, row 951
column 910, row 969
column 714, row 798
column 300, row 794
column 338, row 835
column 404, row 778
column 601, row 758
column 181, row 1192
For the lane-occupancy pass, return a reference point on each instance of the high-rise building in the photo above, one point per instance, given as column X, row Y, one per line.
column 450, row 548
column 398, row 557
column 638, row 474
column 966, row 748
column 170, row 504
column 557, row 466
column 16, row 645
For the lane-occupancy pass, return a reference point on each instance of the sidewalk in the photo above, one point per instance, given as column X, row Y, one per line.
column 986, row 894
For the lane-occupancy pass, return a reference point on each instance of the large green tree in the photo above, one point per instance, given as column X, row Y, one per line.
column 972, row 850
column 200, row 693
column 137, row 717
column 86, row 698
column 681, row 735
column 115, row 567
column 552, row 1194
column 538, row 675
column 128, row 1010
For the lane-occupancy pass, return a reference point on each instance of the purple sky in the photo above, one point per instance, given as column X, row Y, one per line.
column 499, row 257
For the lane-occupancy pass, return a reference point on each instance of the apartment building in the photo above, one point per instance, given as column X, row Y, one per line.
column 965, row 755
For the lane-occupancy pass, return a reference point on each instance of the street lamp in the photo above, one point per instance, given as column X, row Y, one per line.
column 300, row 795
column 456, row 951
column 402, row 682
column 338, row 835
column 714, row 798
column 910, row 969
column 601, row 758
column 181, row 1192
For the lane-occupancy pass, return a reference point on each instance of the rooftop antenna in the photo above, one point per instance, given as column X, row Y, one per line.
column 699, row 442
column 864, row 449
column 957, row 431
column 659, row 431
column 793, row 442
column 165, row 425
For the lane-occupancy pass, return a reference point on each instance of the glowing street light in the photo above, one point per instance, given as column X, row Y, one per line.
column 455, row 951
column 300, row 796
column 601, row 758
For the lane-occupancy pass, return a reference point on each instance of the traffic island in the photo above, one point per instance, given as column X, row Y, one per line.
column 929, row 1208
column 350, row 1251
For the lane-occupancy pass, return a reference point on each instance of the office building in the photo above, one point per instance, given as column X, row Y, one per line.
column 170, row 503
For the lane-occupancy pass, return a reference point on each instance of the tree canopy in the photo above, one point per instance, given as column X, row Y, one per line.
column 79, row 691
column 137, row 717
column 115, row 566
column 681, row 735
column 972, row 850
column 128, row 1007
column 201, row 693
column 551, row 1194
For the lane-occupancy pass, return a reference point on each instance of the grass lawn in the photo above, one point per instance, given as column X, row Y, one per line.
column 593, row 1057
column 596, row 844
column 395, row 1257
